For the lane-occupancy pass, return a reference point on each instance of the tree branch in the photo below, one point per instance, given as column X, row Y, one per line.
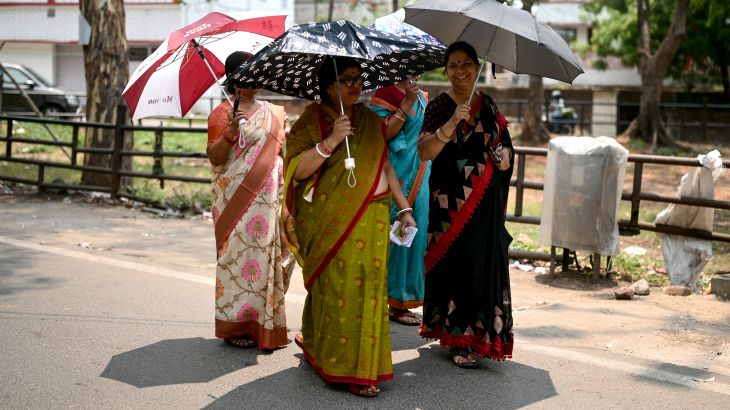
column 675, row 35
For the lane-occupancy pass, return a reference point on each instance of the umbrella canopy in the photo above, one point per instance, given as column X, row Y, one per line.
column 503, row 35
column 393, row 24
column 289, row 65
column 174, row 77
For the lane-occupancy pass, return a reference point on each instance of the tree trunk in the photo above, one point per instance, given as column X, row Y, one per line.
column 106, row 61
column 725, row 82
column 650, row 124
column 653, row 67
column 533, row 128
column 331, row 10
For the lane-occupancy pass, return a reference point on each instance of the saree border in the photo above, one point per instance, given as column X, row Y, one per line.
column 340, row 379
column 252, row 183
column 408, row 304
column 436, row 251
column 264, row 338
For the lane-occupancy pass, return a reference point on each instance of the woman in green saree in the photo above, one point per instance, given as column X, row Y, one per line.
column 338, row 228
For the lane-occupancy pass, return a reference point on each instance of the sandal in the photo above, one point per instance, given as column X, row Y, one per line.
column 241, row 342
column 462, row 358
column 404, row 317
column 363, row 391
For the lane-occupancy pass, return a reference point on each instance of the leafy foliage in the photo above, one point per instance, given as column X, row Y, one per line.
column 705, row 50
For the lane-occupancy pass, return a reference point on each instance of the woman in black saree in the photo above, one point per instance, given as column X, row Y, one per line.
column 467, row 302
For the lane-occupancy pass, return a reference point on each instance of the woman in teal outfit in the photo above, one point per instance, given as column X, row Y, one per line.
column 402, row 106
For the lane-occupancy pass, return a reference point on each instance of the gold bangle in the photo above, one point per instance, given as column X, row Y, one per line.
column 441, row 136
column 399, row 117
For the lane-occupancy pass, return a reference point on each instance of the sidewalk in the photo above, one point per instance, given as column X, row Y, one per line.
column 680, row 340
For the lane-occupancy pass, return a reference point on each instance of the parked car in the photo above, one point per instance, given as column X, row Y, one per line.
column 49, row 100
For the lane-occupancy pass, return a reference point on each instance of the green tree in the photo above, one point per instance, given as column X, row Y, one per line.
column 703, row 57
column 648, row 35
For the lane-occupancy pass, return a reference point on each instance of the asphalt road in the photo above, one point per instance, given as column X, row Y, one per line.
column 89, row 329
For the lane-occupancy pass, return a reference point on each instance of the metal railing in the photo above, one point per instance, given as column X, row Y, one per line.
column 631, row 226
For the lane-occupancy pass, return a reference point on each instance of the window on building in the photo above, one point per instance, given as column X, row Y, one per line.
column 568, row 34
column 139, row 53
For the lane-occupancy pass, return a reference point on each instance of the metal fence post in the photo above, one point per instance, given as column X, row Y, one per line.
column 157, row 166
column 117, row 150
column 635, row 194
column 704, row 118
column 519, row 185
column 74, row 143
column 41, row 177
column 9, row 141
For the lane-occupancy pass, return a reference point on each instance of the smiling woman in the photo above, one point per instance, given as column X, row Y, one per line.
column 467, row 301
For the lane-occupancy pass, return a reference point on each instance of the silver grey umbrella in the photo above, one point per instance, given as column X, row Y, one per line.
column 503, row 35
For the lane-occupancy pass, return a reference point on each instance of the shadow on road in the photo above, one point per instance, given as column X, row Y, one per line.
column 429, row 381
column 178, row 361
column 16, row 267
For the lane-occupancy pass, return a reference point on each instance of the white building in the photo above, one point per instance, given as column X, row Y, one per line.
column 44, row 34
column 567, row 18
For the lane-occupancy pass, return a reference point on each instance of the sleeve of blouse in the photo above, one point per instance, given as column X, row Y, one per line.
column 217, row 123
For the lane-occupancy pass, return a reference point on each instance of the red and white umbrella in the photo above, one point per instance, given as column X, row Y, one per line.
column 174, row 77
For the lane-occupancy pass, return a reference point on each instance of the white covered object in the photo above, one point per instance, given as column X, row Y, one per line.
column 583, row 185
column 684, row 257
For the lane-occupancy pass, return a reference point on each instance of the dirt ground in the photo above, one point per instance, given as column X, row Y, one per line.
column 560, row 310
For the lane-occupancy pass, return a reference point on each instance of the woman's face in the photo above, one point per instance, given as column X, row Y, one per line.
column 350, row 87
column 461, row 70
column 248, row 92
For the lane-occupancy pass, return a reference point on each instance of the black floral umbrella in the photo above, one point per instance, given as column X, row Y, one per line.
column 289, row 64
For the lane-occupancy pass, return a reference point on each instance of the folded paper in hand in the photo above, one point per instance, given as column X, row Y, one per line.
column 402, row 239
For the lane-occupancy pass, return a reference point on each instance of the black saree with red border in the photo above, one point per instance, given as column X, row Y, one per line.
column 467, row 301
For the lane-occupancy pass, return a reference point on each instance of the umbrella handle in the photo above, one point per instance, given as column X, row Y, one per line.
column 349, row 161
column 205, row 60
column 474, row 87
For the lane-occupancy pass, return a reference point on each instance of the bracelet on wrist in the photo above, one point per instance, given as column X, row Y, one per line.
column 325, row 148
column 404, row 211
column 403, row 113
column 321, row 154
column 396, row 115
column 441, row 136
column 225, row 136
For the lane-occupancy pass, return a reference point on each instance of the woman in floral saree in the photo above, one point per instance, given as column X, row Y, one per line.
column 254, row 266
column 467, row 303
column 402, row 106
column 339, row 230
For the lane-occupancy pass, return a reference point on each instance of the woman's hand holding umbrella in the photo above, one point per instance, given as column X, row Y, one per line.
column 461, row 113
column 340, row 130
column 411, row 89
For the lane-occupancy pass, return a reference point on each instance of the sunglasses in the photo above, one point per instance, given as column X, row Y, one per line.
column 351, row 81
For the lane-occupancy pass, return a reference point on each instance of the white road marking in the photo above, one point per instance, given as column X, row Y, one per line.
column 634, row 369
column 135, row 266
